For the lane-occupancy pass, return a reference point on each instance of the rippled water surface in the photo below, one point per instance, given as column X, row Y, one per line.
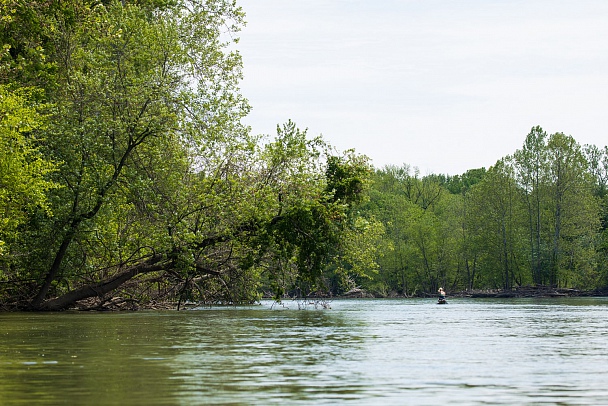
column 471, row 351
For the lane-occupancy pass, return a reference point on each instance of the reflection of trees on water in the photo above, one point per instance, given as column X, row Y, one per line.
column 59, row 358
column 300, row 353
column 370, row 351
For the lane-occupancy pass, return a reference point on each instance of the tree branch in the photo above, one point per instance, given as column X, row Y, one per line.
column 155, row 263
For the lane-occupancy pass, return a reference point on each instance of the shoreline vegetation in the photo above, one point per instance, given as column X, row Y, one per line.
column 517, row 292
column 321, row 301
column 128, row 179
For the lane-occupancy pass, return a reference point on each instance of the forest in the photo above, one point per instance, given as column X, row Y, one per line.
column 128, row 179
column 535, row 218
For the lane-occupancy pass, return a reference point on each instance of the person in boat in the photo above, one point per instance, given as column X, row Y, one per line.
column 441, row 294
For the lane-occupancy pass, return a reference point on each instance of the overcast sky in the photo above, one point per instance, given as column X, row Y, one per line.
column 442, row 85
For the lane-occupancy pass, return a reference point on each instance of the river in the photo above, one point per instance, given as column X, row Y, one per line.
column 360, row 352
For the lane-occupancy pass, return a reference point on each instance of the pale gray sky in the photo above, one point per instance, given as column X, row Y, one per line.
column 442, row 85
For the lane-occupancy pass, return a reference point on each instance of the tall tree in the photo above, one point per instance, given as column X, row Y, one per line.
column 598, row 167
column 573, row 208
column 131, row 78
column 469, row 246
column 531, row 171
column 497, row 220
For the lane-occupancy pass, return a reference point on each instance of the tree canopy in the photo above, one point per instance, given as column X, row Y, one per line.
column 134, row 176
column 537, row 217
column 127, row 176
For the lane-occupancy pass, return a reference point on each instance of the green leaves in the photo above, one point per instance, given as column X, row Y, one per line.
column 532, row 218
column 23, row 171
column 153, row 168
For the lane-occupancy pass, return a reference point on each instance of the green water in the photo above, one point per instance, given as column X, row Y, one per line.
column 364, row 352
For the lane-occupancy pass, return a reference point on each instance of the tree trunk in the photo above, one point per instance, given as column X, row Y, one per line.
column 50, row 276
column 77, row 219
column 155, row 263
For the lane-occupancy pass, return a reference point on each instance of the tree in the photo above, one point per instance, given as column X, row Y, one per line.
column 553, row 172
column 469, row 247
column 533, row 217
column 130, row 78
column 388, row 203
column 157, row 181
column 531, row 172
column 321, row 237
column 598, row 168
column 419, row 224
column 573, row 208
column 497, row 221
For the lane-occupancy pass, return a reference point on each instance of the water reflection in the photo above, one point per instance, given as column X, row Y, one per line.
column 360, row 352
column 264, row 357
column 87, row 358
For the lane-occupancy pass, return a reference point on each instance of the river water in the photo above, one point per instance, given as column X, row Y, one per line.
column 360, row 352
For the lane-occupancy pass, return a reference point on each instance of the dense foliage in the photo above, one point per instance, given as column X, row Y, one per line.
column 537, row 217
column 127, row 175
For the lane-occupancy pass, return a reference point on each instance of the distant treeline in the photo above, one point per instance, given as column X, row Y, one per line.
column 537, row 217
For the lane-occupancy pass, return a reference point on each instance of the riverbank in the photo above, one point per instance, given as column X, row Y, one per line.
column 517, row 292
column 127, row 304
column 536, row 291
